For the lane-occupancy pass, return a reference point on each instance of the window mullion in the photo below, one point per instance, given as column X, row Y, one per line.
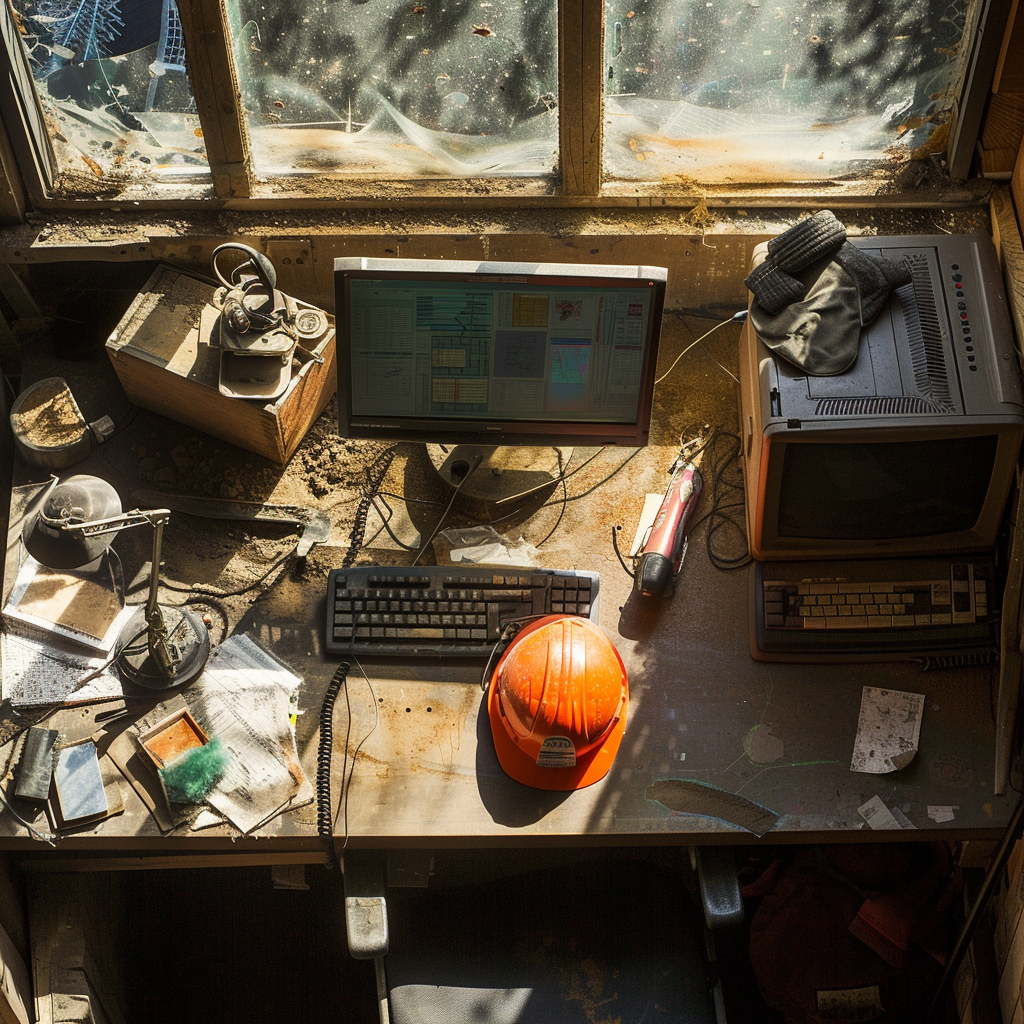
column 211, row 71
column 580, row 66
column 23, row 120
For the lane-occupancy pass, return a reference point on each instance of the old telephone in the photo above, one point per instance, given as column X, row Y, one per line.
column 261, row 330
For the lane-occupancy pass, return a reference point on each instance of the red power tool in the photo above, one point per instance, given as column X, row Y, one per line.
column 665, row 545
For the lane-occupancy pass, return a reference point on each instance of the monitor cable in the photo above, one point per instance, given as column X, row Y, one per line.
column 562, row 502
column 737, row 318
column 444, row 515
column 324, row 803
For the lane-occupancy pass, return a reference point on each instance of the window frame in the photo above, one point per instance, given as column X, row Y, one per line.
column 28, row 163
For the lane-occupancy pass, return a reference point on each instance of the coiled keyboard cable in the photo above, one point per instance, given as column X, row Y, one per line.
column 324, row 803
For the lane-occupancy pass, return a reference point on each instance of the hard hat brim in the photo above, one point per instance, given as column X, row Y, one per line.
column 590, row 767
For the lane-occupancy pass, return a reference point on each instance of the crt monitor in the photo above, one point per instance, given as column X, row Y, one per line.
column 458, row 352
column 914, row 449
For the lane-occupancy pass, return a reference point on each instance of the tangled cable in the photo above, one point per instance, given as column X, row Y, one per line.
column 725, row 517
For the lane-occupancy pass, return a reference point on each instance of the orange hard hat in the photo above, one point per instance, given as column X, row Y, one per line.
column 557, row 703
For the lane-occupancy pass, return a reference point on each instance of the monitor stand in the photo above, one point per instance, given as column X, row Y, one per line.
column 498, row 474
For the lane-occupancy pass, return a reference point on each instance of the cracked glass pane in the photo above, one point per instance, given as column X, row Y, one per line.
column 116, row 100
column 397, row 88
column 741, row 91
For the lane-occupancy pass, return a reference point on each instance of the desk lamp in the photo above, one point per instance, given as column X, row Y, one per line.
column 74, row 526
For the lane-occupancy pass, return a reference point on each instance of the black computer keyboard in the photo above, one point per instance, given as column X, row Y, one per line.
column 873, row 609
column 445, row 610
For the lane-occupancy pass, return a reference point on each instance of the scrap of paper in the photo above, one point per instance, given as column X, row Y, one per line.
column 941, row 813
column 687, row 796
column 880, row 817
column 652, row 502
column 888, row 730
column 41, row 669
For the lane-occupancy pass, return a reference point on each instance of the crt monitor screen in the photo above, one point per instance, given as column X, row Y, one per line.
column 874, row 490
column 497, row 353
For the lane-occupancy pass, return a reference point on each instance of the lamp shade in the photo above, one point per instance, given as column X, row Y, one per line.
column 79, row 499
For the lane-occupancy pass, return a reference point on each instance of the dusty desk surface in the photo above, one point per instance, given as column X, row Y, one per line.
column 718, row 747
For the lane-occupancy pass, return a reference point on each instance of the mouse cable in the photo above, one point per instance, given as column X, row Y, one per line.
column 347, row 772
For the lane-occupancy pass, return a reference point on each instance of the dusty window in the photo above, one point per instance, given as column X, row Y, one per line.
column 718, row 92
column 116, row 99
column 399, row 89
column 774, row 90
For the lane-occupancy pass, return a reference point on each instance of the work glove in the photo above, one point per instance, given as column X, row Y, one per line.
column 814, row 293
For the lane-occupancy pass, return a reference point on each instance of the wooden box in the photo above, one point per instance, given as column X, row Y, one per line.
column 162, row 354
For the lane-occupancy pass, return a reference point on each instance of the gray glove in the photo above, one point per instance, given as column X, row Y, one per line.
column 815, row 291
column 844, row 292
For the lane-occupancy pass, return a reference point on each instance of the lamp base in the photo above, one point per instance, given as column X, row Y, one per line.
column 136, row 663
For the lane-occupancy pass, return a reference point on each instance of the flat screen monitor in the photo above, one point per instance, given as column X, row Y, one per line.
column 456, row 352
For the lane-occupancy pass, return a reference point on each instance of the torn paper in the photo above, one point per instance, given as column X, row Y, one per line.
column 888, row 730
column 878, row 816
column 244, row 698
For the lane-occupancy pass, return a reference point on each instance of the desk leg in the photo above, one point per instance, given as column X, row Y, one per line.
column 1006, row 712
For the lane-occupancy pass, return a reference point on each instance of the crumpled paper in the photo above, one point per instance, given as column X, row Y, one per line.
column 482, row 545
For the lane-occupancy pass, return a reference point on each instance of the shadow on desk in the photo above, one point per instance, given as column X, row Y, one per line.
column 508, row 802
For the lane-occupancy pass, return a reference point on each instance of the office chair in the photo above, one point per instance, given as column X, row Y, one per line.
column 546, row 937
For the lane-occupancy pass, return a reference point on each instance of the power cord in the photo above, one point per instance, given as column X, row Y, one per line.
column 722, row 517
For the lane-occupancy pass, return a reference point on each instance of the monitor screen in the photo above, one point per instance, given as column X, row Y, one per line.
column 885, row 489
column 497, row 353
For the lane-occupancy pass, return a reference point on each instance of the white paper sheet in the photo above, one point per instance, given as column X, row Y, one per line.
column 888, row 730
column 40, row 668
column 244, row 699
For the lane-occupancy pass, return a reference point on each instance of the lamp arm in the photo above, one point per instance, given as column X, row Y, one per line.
column 157, row 518
column 166, row 653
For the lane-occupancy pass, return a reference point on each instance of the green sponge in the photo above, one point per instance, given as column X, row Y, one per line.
column 188, row 778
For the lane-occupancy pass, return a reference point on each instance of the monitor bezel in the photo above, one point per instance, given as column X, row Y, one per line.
column 452, row 431
column 765, row 476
